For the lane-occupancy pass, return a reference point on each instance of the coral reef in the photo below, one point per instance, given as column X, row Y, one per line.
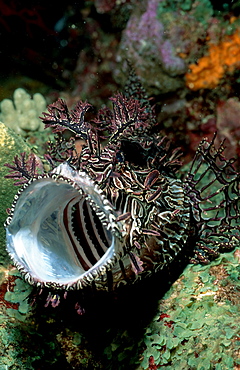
column 21, row 345
column 103, row 6
column 210, row 69
column 197, row 324
column 194, row 326
column 195, row 18
column 76, row 351
column 9, row 143
column 159, row 47
column 202, row 116
column 227, row 124
column 16, row 296
column 22, row 114
column 202, row 10
column 151, row 54
column 94, row 68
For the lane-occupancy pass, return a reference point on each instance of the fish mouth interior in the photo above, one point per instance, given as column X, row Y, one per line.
column 59, row 233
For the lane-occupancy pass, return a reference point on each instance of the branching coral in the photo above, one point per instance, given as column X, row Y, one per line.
column 22, row 114
column 223, row 57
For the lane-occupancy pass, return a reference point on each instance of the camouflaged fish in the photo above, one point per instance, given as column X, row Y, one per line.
column 115, row 211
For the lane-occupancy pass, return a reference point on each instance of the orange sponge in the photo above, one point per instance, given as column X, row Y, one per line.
column 221, row 58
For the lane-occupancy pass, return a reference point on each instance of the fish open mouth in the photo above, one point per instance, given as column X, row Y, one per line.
column 62, row 232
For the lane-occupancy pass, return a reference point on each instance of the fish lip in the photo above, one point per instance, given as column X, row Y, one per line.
column 20, row 230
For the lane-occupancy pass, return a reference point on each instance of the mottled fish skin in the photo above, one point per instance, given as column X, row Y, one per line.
column 117, row 212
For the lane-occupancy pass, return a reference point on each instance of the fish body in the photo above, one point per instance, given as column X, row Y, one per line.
column 117, row 211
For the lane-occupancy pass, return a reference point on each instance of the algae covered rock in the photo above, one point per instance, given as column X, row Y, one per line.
column 10, row 145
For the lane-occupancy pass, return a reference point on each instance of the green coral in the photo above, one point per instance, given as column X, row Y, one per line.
column 20, row 296
column 10, row 145
column 197, row 325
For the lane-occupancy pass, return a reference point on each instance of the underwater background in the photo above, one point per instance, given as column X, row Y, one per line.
column 187, row 56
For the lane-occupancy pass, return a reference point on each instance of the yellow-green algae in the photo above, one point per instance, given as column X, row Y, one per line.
column 10, row 145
